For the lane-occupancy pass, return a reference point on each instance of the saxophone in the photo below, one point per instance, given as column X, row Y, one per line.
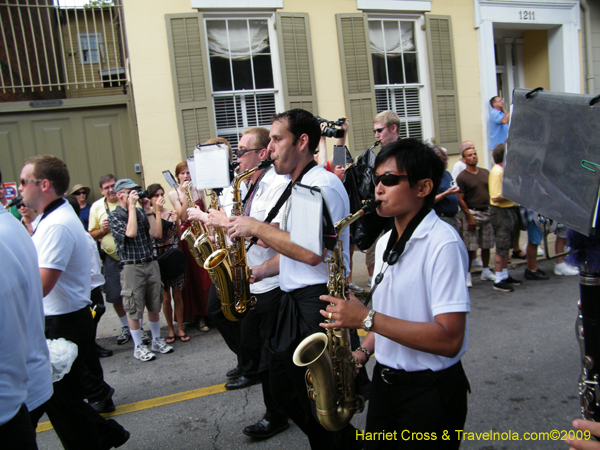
column 196, row 236
column 227, row 266
column 331, row 365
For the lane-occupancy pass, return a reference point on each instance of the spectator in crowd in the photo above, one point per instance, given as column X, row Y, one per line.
column 534, row 239
column 498, row 122
column 133, row 229
column 504, row 217
column 81, row 193
column 474, row 201
column 169, row 224
column 197, row 286
column 28, row 216
column 446, row 201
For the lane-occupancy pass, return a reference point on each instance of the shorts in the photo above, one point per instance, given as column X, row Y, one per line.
column 503, row 221
column 483, row 236
column 112, row 275
column 141, row 286
column 561, row 231
column 534, row 233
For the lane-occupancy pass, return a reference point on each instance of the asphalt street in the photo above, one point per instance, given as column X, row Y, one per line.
column 522, row 363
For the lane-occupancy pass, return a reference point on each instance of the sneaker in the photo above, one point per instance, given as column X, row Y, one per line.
column 510, row 280
column 477, row 263
column 202, row 325
column 159, row 345
column 537, row 275
column 142, row 353
column 145, row 337
column 564, row 269
column 469, row 280
column 540, row 251
column 489, row 276
column 124, row 337
column 503, row 287
column 354, row 288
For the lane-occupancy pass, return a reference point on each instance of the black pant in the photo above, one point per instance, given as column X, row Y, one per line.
column 76, row 423
column 298, row 317
column 254, row 330
column 17, row 433
column 231, row 332
column 426, row 402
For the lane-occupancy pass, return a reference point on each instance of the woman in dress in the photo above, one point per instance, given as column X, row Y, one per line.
column 195, row 292
column 81, row 193
column 169, row 222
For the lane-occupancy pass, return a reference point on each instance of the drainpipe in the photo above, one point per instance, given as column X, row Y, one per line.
column 589, row 62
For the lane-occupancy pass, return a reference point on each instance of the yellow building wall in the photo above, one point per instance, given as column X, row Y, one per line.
column 536, row 63
column 466, row 58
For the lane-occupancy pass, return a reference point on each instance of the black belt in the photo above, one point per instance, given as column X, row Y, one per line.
column 446, row 215
column 138, row 261
column 481, row 209
column 421, row 378
column 75, row 316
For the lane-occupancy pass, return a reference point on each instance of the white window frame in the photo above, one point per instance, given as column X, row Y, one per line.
column 100, row 47
column 274, row 49
column 422, row 67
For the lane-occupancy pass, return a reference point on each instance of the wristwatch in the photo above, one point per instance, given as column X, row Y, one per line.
column 368, row 322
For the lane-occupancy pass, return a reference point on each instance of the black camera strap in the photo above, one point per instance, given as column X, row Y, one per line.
column 54, row 204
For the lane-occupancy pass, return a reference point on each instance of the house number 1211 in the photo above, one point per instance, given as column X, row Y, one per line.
column 527, row 15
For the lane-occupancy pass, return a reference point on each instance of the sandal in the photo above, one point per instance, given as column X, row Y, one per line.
column 519, row 255
column 184, row 338
column 170, row 339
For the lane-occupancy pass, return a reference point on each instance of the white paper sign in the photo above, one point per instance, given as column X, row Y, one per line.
column 211, row 166
column 306, row 226
column 192, row 168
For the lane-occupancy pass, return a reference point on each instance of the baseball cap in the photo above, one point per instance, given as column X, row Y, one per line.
column 125, row 183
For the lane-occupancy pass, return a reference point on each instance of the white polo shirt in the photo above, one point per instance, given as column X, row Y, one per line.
column 61, row 244
column 294, row 274
column 25, row 374
column 428, row 280
column 266, row 194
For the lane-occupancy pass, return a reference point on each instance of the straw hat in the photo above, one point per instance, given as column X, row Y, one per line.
column 78, row 187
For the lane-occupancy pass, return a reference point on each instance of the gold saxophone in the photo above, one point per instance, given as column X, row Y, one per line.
column 227, row 266
column 331, row 365
column 196, row 236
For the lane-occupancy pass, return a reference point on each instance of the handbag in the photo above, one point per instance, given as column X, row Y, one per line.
column 172, row 263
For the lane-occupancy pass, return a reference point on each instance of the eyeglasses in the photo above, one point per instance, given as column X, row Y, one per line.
column 108, row 188
column 388, row 179
column 79, row 193
column 240, row 153
column 378, row 130
column 35, row 180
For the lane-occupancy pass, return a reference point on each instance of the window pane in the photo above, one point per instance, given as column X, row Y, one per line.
column 392, row 36
column 263, row 72
column 395, row 73
column 410, row 66
column 221, row 74
column 242, row 74
column 379, row 72
column 408, row 36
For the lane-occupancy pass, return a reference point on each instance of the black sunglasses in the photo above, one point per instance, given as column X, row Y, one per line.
column 79, row 193
column 388, row 179
column 20, row 205
column 379, row 130
column 240, row 153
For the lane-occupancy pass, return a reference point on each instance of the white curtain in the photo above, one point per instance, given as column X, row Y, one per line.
column 237, row 39
column 394, row 43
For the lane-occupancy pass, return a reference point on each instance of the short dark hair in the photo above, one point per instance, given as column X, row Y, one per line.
column 153, row 189
column 74, row 203
column 301, row 122
column 105, row 178
column 419, row 161
column 498, row 153
column 493, row 100
column 53, row 169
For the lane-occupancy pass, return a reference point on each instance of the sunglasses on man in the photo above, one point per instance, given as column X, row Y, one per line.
column 388, row 179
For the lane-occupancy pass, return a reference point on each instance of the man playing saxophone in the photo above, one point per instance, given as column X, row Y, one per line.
column 418, row 324
column 303, row 275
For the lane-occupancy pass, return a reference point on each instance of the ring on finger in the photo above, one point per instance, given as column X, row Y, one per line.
column 330, row 314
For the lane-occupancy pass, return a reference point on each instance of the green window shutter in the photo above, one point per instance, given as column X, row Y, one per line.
column 191, row 81
column 357, row 76
column 295, row 53
column 443, row 82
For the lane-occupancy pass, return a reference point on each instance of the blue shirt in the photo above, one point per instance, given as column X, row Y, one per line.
column 498, row 130
column 448, row 206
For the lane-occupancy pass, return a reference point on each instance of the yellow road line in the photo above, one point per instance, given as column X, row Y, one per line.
column 154, row 402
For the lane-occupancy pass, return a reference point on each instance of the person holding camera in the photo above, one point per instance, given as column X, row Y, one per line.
column 133, row 229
